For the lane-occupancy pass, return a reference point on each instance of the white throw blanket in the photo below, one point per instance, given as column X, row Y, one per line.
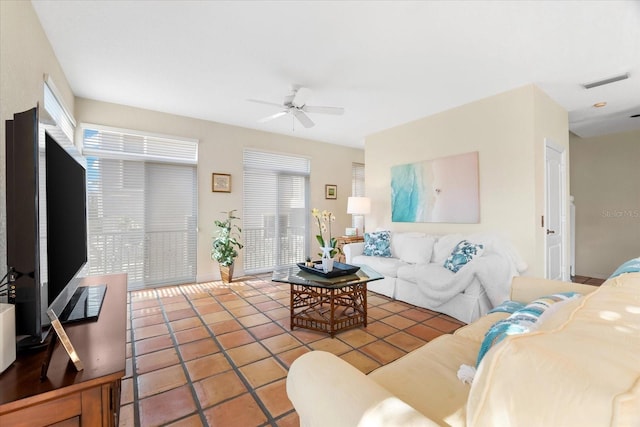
column 494, row 270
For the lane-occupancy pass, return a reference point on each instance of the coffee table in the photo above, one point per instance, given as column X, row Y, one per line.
column 327, row 304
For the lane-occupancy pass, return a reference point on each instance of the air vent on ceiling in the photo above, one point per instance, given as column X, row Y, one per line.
column 606, row 81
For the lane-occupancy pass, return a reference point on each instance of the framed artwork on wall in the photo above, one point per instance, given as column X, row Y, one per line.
column 330, row 191
column 221, row 183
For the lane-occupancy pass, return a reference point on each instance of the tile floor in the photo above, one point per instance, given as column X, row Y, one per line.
column 215, row 354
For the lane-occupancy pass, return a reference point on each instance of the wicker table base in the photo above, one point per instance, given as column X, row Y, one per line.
column 328, row 309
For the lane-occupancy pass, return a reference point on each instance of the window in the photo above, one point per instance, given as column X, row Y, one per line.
column 357, row 185
column 275, row 212
column 142, row 206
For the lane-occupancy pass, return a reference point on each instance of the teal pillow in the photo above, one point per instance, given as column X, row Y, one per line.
column 521, row 321
column 631, row 266
column 462, row 254
column 377, row 244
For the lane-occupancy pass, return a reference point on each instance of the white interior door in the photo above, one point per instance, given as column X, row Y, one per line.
column 555, row 218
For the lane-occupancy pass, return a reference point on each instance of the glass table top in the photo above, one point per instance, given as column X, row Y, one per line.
column 294, row 275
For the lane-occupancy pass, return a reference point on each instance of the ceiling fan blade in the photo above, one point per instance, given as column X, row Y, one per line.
column 273, row 104
column 338, row 111
column 303, row 118
column 273, row 116
column 301, row 96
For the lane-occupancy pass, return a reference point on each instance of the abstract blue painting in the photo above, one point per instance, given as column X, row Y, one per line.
column 439, row 190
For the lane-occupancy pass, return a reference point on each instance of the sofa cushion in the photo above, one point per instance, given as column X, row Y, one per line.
column 462, row 254
column 426, row 378
column 587, row 368
column 388, row 267
column 377, row 243
column 413, row 249
column 477, row 330
column 521, row 321
column 443, row 247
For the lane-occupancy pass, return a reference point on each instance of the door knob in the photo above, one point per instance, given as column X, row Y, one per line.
column 551, row 231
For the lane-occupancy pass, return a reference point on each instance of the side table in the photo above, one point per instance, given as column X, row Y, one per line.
column 343, row 240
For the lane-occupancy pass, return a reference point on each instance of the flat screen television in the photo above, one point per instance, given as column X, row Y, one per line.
column 46, row 226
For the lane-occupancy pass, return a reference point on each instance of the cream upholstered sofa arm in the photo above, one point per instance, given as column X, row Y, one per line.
column 526, row 289
column 327, row 391
column 352, row 250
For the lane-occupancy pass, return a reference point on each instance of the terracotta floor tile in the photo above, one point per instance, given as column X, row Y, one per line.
column 183, row 305
column 199, row 348
column 165, row 407
column 160, row 380
column 225, row 298
column 247, row 353
column 211, row 307
column 149, row 311
column 267, row 330
column 382, row 352
column 418, row 315
column 263, row 371
column 377, row 313
column 241, row 411
column 225, row 326
column 254, row 320
column 213, row 390
column 287, row 357
column 375, row 299
column 281, row 343
column 235, row 339
column 154, row 319
column 218, row 316
column 235, row 303
column 243, row 311
column 185, row 313
column 194, row 334
column 424, row 332
column 380, row 329
column 305, row 335
column 152, row 344
column 188, row 323
column 257, row 299
column 150, row 331
column 137, row 305
column 268, row 305
column 278, row 313
column 364, row 363
column 396, row 306
column 331, row 345
column 289, row 420
column 190, row 421
column 405, row 341
column 274, row 397
column 156, row 360
column 207, row 366
column 442, row 324
column 398, row 321
column 356, row 337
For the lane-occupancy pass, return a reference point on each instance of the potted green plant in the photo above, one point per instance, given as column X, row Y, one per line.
column 226, row 245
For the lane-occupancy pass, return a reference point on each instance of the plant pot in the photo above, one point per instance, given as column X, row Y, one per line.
column 327, row 265
column 226, row 273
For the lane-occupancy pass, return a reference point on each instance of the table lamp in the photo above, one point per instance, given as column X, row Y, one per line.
column 358, row 207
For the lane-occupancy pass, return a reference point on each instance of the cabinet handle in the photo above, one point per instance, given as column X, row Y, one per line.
column 550, row 231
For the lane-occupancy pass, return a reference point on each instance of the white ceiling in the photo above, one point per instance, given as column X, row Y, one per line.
column 386, row 63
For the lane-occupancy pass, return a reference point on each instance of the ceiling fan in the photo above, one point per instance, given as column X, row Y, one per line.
column 296, row 105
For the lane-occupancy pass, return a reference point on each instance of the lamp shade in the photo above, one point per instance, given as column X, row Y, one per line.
column 358, row 205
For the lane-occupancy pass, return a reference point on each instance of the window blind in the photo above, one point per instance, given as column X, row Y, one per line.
column 142, row 206
column 275, row 211
column 357, row 180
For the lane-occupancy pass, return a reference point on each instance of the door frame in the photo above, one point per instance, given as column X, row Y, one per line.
column 549, row 144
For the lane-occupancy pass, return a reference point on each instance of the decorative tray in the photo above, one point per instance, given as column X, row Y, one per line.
column 339, row 269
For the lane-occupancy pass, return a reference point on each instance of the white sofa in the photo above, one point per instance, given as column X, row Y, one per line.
column 580, row 367
column 415, row 272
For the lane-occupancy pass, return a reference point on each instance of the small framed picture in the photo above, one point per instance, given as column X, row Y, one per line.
column 330, row 191
column 221, row 183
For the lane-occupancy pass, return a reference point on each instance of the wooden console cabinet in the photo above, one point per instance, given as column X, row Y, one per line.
column 66, row 397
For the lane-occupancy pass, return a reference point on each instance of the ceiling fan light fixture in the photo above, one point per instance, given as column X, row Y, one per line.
column 600, row 104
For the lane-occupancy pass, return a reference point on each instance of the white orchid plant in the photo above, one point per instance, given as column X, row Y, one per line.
column 324, row 220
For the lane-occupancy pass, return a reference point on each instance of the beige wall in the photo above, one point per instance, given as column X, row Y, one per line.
column 508, row 131
column 605, row 182
column 220, row 150
column 25, row 56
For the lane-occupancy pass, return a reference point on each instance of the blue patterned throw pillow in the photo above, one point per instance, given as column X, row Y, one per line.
column 631, row 266
column 377, row 244
column 462, row 254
